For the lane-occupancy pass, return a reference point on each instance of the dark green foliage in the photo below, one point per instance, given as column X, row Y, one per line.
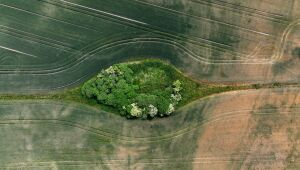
column 147, row 89
column 145, row 100
column 136, row 90
column 113, row 86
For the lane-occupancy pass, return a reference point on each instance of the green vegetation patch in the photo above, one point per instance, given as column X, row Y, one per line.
column 146, row 89
column 138, row 90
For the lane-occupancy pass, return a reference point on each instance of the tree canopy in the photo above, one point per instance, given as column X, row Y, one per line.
column 136, row 91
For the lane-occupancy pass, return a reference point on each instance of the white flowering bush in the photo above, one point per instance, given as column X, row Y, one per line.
column 152, row 110
column 176, row 97
column 171, row 109
column 135, row 110
column 111, row 70
column 177, row 86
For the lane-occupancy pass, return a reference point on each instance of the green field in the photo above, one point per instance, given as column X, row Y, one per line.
column 54, row 44
column 49, row 48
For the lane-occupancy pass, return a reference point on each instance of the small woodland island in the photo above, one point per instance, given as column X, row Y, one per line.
column 146, row 89
column 138, row 90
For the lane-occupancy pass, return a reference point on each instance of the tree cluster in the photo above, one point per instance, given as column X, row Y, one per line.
column 116, row 86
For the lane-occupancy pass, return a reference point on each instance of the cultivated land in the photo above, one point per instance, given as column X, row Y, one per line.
column 48, row 47
column 250, row 129
column 54, row 44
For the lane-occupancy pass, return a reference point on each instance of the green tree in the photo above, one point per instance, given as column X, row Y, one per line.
column 143, row 93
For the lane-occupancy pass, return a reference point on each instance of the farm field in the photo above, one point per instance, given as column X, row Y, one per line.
column 54, row 44
column 48, row 47
column 255, row 129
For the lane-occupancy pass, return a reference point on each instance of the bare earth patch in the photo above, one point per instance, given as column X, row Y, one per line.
column 252, row 129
